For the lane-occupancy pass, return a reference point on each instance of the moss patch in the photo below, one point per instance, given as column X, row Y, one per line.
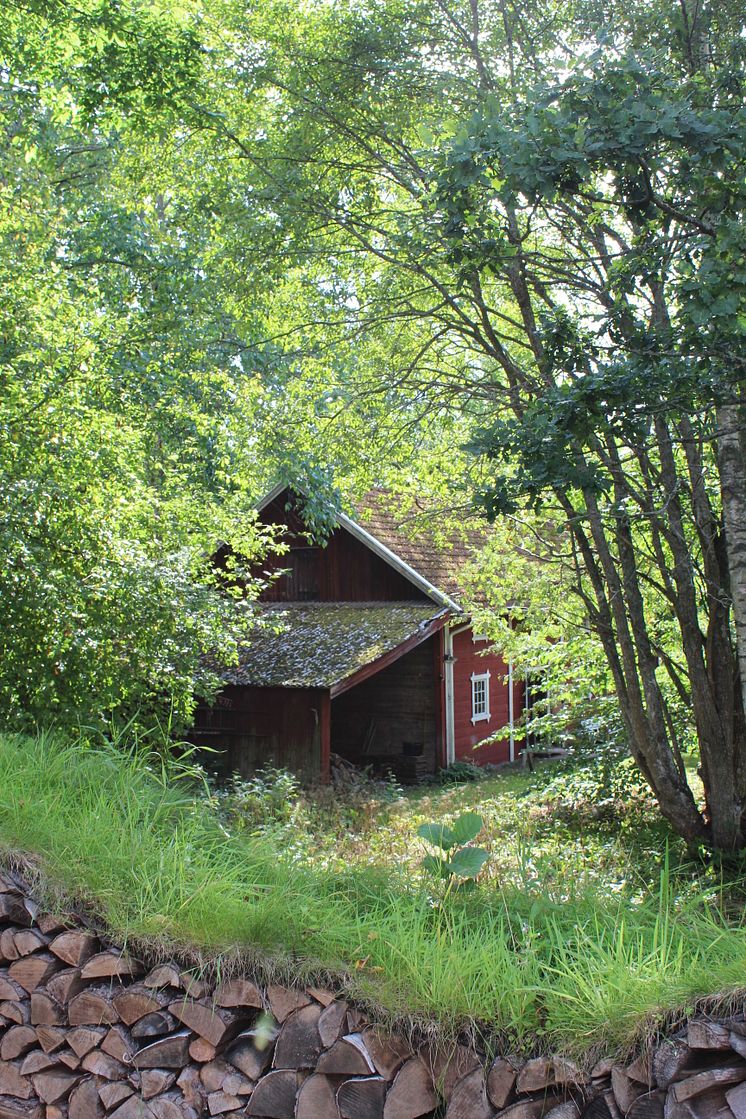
column 315, row 645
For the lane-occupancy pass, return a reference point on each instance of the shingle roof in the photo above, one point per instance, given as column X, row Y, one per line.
column 413, row 530
column 322, row 643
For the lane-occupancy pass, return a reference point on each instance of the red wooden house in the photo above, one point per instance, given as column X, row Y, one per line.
column 367, row 653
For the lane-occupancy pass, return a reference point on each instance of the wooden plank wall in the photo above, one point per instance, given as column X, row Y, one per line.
column 346, row 571
column 252, row 727
column 396, row 706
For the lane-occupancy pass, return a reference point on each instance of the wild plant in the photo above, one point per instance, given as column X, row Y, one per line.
column 452, row 858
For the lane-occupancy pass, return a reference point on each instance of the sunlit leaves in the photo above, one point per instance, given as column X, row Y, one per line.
column 120, row 468
column 454, row 859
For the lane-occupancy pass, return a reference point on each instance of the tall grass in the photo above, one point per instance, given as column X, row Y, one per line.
column 664, row 955
column 152, row 857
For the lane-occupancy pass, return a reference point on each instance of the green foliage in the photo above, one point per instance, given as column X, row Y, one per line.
column 262, row 801
column 546, row 633
column 437, row 835
column 454, row 859
column 104, row 60
column 305, row 821
column 502, row 275
column 380, row 252
column 599, row 784
column 119, row 462
column 460, row 771
column 616, row 131
column 583, row 837
column 466, row 862
column 466, row 827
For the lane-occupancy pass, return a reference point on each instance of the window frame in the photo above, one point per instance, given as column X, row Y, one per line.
column 484, row 716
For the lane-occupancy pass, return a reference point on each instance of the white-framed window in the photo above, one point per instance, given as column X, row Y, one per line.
column 479, row 637
column 480, row 697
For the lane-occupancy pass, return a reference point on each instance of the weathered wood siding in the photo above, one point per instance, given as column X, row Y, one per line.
column 342, row 571
column 395, row 712
column 253, row 727
column 391, row 714
column 470, row 659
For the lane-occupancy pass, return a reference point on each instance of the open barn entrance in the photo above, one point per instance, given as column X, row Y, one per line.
column 391, row 721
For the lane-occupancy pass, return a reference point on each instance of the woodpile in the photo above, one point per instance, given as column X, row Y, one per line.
column 87, row 1032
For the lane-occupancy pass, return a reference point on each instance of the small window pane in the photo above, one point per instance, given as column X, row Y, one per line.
column 480, row 697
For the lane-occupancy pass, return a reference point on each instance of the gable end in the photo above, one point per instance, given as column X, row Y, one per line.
column 372, row 544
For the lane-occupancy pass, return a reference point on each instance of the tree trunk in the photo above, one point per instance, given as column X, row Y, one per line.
column 641, row 704
column 731, row 443
column 711, row 683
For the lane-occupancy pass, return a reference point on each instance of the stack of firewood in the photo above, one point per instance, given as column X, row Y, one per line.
column 87, row 1032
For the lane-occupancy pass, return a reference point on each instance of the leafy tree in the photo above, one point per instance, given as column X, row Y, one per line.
column 635, row 168
column 119, row 469
column 378, row 231
column 531, row 216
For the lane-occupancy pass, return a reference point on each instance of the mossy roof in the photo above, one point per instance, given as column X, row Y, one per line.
column 316, row 645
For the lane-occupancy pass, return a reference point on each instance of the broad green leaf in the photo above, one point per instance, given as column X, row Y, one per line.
column 437, row 835
column 467, row 827
column 468, row 862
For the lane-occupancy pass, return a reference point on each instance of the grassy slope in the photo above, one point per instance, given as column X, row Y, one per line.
column 155, row 861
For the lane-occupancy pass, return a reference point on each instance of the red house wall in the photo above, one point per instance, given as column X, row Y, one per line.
column 471, row 658
column 343, row 571
column 251, row 727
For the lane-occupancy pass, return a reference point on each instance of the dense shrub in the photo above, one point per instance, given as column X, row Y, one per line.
column 459, row 772
column 599, row 782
